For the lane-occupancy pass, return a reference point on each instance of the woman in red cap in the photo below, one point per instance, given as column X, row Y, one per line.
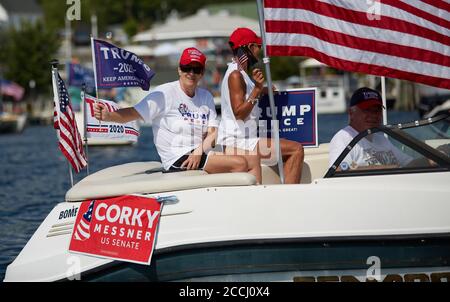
column 238, row 130
column 183, row 118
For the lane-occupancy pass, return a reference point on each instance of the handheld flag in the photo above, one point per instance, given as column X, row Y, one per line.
column 117, row 67
column 391, row 38
column 108, row 130
column 69, row 138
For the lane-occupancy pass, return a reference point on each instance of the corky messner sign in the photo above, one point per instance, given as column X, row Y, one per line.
column 108, row 130
column 121, row 228
column 296, row 113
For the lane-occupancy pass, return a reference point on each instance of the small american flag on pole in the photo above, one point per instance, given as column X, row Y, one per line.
column 405, row 39
column 64, row 122
column 11, row 89
column 83, row 230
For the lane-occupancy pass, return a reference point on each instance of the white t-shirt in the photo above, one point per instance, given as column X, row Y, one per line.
column 179, row 122
column 378, row 151
column 232, row 132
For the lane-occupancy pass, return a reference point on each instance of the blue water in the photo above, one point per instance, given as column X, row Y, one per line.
column 34, row 175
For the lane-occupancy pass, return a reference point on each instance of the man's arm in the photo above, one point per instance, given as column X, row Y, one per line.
column 122, row 116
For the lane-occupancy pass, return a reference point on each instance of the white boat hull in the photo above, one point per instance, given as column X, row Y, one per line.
column 327, row 208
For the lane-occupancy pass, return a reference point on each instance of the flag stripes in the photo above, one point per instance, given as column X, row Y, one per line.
column 69, row 139
column 390, row 38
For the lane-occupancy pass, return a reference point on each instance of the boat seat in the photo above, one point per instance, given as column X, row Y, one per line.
column 147, row 177
column 315, row 166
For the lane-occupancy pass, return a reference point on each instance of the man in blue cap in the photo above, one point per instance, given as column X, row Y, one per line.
column 365, row 112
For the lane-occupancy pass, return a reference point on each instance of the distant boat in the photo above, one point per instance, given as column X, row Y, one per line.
column 330, row 87
column 432, row 101
column 12, row 123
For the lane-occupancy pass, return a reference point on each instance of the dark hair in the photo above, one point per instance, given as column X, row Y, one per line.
column 235, row 50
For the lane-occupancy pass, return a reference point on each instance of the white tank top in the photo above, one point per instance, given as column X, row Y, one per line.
column 232, row 132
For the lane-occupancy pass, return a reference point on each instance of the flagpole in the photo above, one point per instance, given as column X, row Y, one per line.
column 383, row 97
column 54, row 64
column 275, row 125
column 95, row 73
column 94, row 63
column 85, row 138
column 71, row 174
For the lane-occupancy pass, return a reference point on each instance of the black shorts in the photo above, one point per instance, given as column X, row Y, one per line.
column 176, row 166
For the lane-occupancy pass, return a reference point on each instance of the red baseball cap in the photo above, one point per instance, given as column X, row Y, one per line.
column 192, row 54
column 243, row 36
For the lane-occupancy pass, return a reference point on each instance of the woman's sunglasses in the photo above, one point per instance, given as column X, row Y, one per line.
column 187, row 69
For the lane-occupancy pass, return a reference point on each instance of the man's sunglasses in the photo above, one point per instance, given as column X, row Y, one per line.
column 187, row 69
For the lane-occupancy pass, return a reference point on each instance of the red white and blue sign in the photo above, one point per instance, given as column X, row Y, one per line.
column 296, row 113
column 117, row 67
column 108, row 130
column 122, row 228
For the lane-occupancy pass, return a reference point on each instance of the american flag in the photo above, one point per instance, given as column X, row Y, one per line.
column 64, row 122
column 11, row 89
column 242, row 60
column 83, row 229
column 405, row 39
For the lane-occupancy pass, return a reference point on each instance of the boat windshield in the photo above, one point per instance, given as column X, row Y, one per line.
column 419, row 146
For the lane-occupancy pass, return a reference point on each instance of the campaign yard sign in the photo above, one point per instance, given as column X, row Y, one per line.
column 121, row 228
column 296, row 113
column 117, row 67
column 108, row 130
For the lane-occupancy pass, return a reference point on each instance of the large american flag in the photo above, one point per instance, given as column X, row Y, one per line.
column 64, row 122
column 405, row 39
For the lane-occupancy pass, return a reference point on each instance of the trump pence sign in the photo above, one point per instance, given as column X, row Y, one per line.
column 121, row 228
column 296, row 113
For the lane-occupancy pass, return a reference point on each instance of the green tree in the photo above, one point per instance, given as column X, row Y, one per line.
column 130, row 13
column 26, row 55
column 282, row 68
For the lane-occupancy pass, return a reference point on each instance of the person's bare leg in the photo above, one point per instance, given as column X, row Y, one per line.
column 221, row 163
column 252, row 158
column 293, row 156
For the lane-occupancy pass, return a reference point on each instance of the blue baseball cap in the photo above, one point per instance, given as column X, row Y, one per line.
column 366, row 98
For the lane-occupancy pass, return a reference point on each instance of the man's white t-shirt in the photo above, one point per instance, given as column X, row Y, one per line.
column 179, row 122
column 378, row 151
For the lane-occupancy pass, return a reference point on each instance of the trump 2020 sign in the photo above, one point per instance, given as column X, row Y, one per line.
column 117, row 67
column 121, row 228
column 296, row 113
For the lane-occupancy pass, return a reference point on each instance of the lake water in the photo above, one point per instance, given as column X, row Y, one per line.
column 34, row 175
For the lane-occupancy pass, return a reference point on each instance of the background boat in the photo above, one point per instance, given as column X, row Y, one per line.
column 12, row 123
